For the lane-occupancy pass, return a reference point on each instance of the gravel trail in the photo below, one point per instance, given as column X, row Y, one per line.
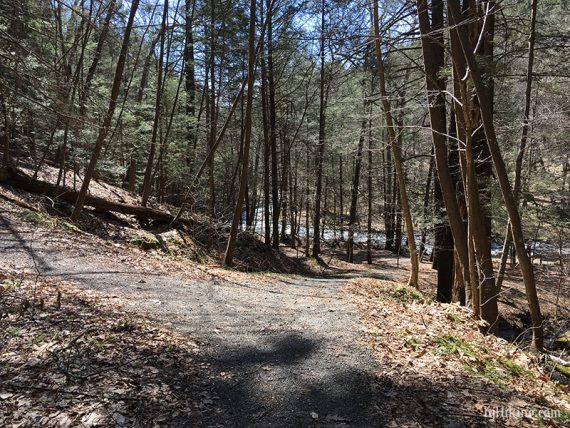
column 284, row 354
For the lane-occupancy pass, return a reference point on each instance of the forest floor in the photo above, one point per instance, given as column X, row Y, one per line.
column 97, row 332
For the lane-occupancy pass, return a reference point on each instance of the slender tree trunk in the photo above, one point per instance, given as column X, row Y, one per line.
column 73, row 82
column 397, row 154
column 254, row 201
column 397, row 221
column 321, row 144
column 147, row 181
column 190, row 82
column 146, row 67
column 104, row 129
column 286, row 158
column 266, row 147
column 96, row 56
column 307, row 204
column 354, row 195
column 341, row 197
column 427, row 193
column 131, row 175
column 523, row 143
column 273, row 133
column 213, row 110
column 6, row 158
column 370, row 193
column 228, row 258
column 388, row 199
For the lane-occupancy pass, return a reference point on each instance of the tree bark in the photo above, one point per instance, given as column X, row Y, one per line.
column 147, row 181
column 273, row 133
column 369, row 223
column 397, row 154
column 354, row 195
column 105, row 126
column 266, row 145
column 523, row 143
column 190, row 81
column 427, row 194
column 434, row 57
column 228, row 258
column 321, row 143
column 506, row 190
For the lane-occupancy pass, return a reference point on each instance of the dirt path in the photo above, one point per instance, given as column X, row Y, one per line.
column 283, row 354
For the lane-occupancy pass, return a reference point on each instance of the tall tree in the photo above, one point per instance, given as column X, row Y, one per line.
column 434, row 61
column 321, row 143
column 228, row 258
column 500, row 168
column 96, row 56
column 272, row 110
column 396, row 151
column 524, row 138
column 190, row 81
column 354, row 194
column 147, row 181
column 106, row 125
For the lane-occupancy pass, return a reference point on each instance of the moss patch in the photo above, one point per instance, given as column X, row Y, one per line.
column 146, row 241
column 65, row 225
column 565, row 370
column 408, row 295
column 480, row 362
column 562, row 341
column 36, row 218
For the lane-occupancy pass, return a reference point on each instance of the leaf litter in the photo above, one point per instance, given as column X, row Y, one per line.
column 439, row 347
column 67, row 358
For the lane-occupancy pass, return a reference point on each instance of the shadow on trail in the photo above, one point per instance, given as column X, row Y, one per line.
column 241, row 392
column 44, row 260
column 276, row 384
column 13, row 240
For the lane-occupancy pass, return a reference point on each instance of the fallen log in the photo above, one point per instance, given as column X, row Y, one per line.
column 15, row 178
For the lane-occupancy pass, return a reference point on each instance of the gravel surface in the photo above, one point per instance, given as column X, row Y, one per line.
column 288, row 353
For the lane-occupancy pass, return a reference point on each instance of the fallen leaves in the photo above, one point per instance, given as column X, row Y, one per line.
column 439, row 348
column 88, row 363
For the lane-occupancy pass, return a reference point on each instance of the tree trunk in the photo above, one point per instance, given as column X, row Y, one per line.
column 213, row 111
column 321, row 143
column 266, row 146
column 190, row 81
column 6, row 158
column 434, row 61
column 146, row 68
column 341, row 197
column 147, row 181
column 388, row 199
column 508, row 197
column 272, row 133
column 522, row 147
column 369, row 223
column 427, row 194
column 131, row 175
column 307, row 203
column 397, row 154
column 96, row 56
column 14, row 178
column 104, row 129
column 228, row 258
column 354, row 195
